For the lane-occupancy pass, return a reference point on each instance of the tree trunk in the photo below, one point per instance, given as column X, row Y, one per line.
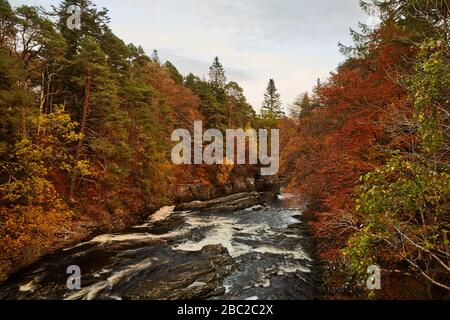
column 230, row 110
column 49, row 92
column 79, row 147
column 41, row 102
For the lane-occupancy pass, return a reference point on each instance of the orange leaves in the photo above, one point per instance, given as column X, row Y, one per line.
column 183, row 105
column 327, row 151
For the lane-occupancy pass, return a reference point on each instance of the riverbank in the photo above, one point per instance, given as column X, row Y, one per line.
column 86, row 226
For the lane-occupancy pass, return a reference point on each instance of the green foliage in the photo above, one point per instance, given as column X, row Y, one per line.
column 239, row 112
column 174, row 73
column 404, row 205
column 401, row 200
column 212, row 101
column 7, row 22
column 217, row 74
column 30, row 203
column 13, row 97
column 271, row 111
column 360, row 253
column 95, row 24
column 37, row 154
column 117, row 53
column 430, row 86
column 155, row 57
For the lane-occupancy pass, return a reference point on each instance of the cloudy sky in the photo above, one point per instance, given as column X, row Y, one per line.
column 291, row 41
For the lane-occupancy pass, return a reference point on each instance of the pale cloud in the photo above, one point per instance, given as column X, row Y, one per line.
column 292, row 41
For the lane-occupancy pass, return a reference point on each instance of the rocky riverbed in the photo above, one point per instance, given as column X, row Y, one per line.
column 244, row 246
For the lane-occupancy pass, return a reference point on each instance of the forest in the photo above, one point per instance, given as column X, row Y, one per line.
column 86, row 122
column 85, row 140
column 369, row 149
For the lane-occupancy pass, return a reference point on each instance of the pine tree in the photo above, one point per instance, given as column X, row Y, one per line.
column 7, row 22
column 15, row 100
column 271, row 111
column 137, row 56
column 155, row 57
column 94, row 24
column 81, row 109
column 213, row 99
column 117, row 53
column 217, row 74
column 174, row 73
column 96, row 107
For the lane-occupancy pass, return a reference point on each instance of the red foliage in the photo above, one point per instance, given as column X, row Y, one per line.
column 327, row 151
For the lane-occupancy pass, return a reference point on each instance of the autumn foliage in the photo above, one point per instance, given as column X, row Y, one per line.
column 357, row 153
column 85, row 129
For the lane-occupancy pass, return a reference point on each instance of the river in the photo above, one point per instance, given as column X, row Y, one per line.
column 262, row 252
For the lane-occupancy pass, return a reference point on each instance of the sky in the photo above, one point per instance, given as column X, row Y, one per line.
column 292, row 41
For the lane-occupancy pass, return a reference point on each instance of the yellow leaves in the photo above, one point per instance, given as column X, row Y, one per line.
column 31, row 207
column 11, row 191
column 24, row 225
column 83, row 167
column 73, row 136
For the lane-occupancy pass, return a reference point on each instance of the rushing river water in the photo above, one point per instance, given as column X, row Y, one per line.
column 256, row 253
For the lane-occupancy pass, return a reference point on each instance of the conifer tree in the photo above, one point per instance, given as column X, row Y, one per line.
column 7, row 22
column 217, row 74
column 155, row 57
column 174, row 73
column 271, row 111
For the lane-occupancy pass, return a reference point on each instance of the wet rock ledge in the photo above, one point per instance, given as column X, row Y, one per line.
column 229, row 203
column 199, row 275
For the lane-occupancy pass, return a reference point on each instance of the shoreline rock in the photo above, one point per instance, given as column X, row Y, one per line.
column 229, row 203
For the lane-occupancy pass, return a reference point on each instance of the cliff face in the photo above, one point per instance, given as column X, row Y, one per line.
column 87, row 226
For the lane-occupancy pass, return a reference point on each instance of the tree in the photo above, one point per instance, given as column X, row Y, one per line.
column 36, row 36
column 31, row 207
column 94, row 24
column 155, row 57
column 303, row 106
column 174, row 73
column 213, row 99
column 95, row 104
column 271, row 111
column 7, row 22
column 217, row 74
column 380, row 117
column 137, row 56
column 239, row 111
column 117, row 53
column 404, row 204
